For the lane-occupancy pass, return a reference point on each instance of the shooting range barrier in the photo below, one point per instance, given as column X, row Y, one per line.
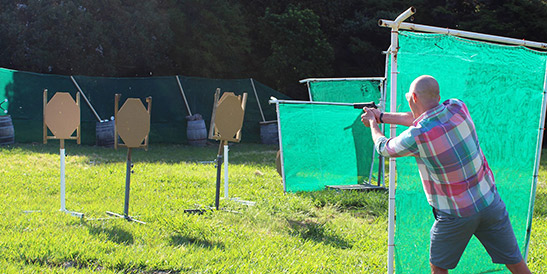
column 344, row 90
column 490, row 78
column 168, row 124
column 323, row 144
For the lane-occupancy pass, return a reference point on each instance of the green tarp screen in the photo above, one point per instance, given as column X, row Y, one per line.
column 323, row 145
column 345, row 91
column 502, row 87
column 168, row 125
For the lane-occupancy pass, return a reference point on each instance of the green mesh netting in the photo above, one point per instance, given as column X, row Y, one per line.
column 323, row 145
column 503, row 89
column 168, row 124
column 345, row 91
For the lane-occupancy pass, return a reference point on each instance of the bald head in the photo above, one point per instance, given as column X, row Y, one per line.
column 427, row 90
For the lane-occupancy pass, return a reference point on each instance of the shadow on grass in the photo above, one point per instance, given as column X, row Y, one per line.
column 371, row 203
column 165, row 153
column 540, row 204
column 114, row 234
column 178, row 239
column 309, row 230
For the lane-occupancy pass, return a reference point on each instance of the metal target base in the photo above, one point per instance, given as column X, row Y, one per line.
column 73, row 213
column 128, row 171
column 244, row 202
column 127, row 218
column 358, row 187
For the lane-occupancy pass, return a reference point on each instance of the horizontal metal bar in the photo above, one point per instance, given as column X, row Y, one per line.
column 276, row 101
column 342, row 79
column 465, row 34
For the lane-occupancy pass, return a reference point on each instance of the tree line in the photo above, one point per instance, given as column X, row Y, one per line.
column 277, row 42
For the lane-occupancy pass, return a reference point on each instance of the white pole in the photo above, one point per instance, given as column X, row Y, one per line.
column 307, row 80
column 393, row 132
column 280, row 146
column 383, row 103
column 536, row 169
column 62, row 154
column 309, row 89
column 225, row 171
column 275, row 100
column 461, row 33
column 85, row 98
column 183, row 96
column 257, row 101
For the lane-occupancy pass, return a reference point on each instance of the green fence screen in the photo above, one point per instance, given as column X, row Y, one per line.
column 327, row 144
column 323, row 145
column 503, row 89
column 168, row 125
column 345, row 91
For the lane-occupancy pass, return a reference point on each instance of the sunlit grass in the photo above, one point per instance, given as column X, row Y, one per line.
column 321, row 232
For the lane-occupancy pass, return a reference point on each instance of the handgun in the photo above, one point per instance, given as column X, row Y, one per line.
column 365, row 104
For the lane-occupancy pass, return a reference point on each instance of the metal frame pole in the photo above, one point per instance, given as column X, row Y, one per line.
column 393, row 132
column 307, row 80
column 280, row 147
column 461, row 33
column 258, row 101
column 183, row 96
column 309, row 89
column 226, row 171
column 85, row 97
column 129, row 165
column 62, row 156
column 536, row 168
column 219, row 171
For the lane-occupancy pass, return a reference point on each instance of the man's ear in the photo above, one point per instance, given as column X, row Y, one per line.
column 414, row 97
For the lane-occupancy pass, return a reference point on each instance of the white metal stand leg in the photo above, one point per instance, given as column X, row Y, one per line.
column 226, row 171
column 226, row 194
column 63, row 187
column 62, row 154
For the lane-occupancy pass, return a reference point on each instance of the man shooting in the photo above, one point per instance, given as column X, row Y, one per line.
column 456, row 178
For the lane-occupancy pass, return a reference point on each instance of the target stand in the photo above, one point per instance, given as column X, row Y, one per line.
column 62, row 118
column 226, row 124
column 132, row 124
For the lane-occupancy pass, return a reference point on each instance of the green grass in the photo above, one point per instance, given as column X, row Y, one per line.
column 320, row 232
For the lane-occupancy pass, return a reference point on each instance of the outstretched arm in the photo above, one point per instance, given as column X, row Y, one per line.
column 369, row 120
column 398, row 118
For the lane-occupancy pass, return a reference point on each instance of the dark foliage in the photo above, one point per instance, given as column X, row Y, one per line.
column 276, row 42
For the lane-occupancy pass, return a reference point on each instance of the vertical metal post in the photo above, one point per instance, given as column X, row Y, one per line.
column 219, row 168
column 226, row 171
column 281, row 147
column 127, row 183
column 62, row 156
column 393, row 132
column 536, row 168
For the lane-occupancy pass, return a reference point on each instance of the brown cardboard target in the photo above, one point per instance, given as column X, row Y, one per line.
column 62, row 115
column 133, row 122
column 229, row 115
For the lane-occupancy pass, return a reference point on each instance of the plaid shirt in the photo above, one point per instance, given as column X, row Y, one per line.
column 455, row 174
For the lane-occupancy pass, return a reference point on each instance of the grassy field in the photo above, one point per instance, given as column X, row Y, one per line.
column 321, row 232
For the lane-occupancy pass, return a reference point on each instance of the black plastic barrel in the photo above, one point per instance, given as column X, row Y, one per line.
column 7, row 134
column 196, row 132
column 104, row 133
column 268, row 132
